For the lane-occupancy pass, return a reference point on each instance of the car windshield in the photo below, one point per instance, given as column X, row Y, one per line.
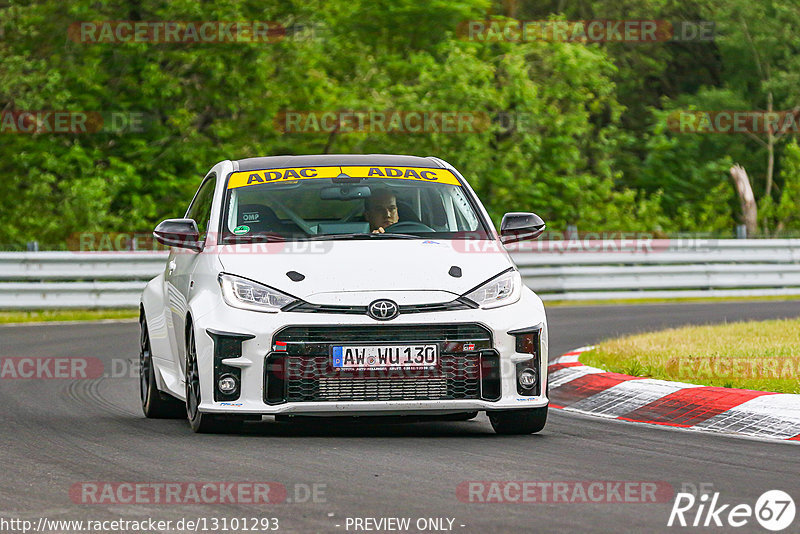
column 348, row 203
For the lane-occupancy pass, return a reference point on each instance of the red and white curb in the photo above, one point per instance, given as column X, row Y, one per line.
column 579, row 388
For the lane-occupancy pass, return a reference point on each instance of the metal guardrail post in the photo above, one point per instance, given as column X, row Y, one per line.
column 741, row 231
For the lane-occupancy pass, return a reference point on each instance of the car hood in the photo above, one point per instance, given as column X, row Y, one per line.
column 356, row 272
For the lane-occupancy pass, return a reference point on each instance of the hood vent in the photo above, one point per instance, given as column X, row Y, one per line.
column 294, row 276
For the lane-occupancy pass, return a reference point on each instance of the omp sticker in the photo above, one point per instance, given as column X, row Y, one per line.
column 252, row 216
column 245, row 178
column 442, row 176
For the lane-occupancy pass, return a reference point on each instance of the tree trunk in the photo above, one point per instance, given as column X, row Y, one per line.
column 746, row 199
column 770, row 150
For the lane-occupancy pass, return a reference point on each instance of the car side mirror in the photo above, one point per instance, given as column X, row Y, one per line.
column 520, row 226
column 182, row 233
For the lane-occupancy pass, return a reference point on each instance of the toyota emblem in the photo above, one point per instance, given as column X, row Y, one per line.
column 383, row 310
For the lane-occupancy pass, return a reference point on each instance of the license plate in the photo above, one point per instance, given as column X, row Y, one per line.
column 384, row 356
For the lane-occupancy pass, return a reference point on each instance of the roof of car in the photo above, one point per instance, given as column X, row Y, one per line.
column 329, row 160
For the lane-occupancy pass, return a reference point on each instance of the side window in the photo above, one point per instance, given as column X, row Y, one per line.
column 200, row 210
column 467, row 219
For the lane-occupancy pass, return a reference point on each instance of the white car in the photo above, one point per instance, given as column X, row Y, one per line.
column 342, row 285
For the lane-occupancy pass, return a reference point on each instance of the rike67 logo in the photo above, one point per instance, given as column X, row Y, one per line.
column 774, row 510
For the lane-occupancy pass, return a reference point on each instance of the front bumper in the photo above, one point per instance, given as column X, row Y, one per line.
column 248, row 359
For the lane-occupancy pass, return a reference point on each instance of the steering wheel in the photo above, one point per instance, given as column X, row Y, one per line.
column 408, row 226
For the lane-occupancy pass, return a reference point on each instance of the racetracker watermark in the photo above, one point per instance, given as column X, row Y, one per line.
column 405, row 122
column 51, row 368
column 184, row 32
column 196, row 492
column 389, row 121
column 687, row 367
column 585, row 31
column 380, row 367
column 564, row 492
column 585, row 243
column 72, row 122
column 131, row 243
column 106, row 242
column 734, row 122
column 67, row 368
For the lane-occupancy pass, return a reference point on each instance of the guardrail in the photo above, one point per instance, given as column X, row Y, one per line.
column 557, row 270
column 662, row 269
column 42, row 280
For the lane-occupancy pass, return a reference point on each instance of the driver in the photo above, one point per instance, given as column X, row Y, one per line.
column 380, row 210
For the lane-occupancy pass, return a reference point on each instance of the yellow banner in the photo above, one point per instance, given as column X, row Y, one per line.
column 241, row 179
column 442, row 176
column 245, row 178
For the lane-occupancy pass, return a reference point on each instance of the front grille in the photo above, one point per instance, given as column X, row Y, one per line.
column 307, row 307
column 311, row 378
column 306, row 373
column 381, row 389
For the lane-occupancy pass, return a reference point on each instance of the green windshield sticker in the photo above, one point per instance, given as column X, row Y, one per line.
column 243, row 229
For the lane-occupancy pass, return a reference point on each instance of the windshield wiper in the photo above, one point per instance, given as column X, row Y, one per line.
column 268, row 238
column 390, row 235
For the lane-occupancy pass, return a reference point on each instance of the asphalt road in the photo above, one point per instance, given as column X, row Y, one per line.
column 58, row 433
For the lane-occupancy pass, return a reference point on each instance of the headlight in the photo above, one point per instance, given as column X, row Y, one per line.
column 501, row 290
column 248, row 295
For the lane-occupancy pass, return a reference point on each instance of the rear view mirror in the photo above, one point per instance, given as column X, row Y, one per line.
column 520, row 226
column 344, row 192
column 181, row 233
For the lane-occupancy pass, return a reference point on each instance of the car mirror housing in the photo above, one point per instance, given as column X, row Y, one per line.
column 520, row 226
column 344, row 192
column 182, row 233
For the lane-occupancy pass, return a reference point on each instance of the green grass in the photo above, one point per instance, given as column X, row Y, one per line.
column 615, row 302
column 760, row 355
column 37, row 316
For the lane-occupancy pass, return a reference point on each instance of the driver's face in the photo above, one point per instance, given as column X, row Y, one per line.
column 382, row 212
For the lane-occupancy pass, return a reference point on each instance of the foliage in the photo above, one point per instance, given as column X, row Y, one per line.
column 758, row 355
column 588, row 144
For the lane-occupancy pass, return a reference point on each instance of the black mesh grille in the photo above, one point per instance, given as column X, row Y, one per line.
column 309, row 376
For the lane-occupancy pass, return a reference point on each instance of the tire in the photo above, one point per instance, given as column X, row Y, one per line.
column 155, row 403
column 526, row 421
column 203, row 423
